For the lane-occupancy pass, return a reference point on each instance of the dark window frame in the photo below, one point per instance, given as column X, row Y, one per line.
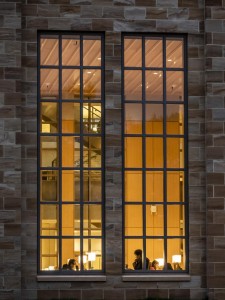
column 59, row 67
column 164, row 169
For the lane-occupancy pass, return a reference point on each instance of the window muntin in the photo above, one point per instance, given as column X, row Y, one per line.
column 154, row 157
column 70, row 135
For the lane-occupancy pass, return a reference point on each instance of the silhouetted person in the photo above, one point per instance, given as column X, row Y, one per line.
column 137, row 264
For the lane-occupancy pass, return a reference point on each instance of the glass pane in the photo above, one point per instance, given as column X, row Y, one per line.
column 92, row 258
column 154, row 119
column 70, row 250
column 92, row 220
column 49, row 254
column 133, row 220
column 70, row 151
column 92, row 186
column 70, row 84
column 70, row 117
column 133, row 186
column 154, row 152
column 92, row 84
column 133, row 85
column 133, row 52
column 154, row 186
column 92, row 152
column 175, row 186
column 70, row 50
column 49, row 220
column 154, row 85
column 133, row 118
column 133, row 152
column 174, row 53
column 91, row 118
column 49, row 117
column 176, row 253
column 153, row 52
column 155, row 252
column 49, row 151
column 49, row 185
column 49, row 84
column 174, row 86
column 175, row 153
column 70, row 185
column 175, row 119
column 154, row 220
column 175, row 220
column 49, row 50
column 92, row 51
column 70, row 219
column 130, row 246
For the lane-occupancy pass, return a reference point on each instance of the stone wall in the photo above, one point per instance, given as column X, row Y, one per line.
column 215, row 147
column 18, row 202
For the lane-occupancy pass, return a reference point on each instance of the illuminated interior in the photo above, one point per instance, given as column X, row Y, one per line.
column 70, row 152
column 154, row 152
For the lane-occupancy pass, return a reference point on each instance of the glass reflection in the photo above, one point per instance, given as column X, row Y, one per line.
column 154, row 186
column 49, row 185
column 175, row 220
column 174, row 86
column 154, row 220
column 92, row 186
column 174, row 53
column 70, row 219
column 49, row 219
column 153, row 52
column 92, row 152
column 175, row 119
column 133, row 152
column 91, row 118
column 49, row 151
column 175, row 153
column 133, row 186
column 70, row 84
column 49, row 51
column 92, row 51
column 70, row 151
column 92, row 223
column 92, row 84
column 154, row 152
column 154, row 85
column 133, row 85
column 175, row 186
column 49, row 117
column 49, row 254
column 70, row 50
column 70, row 185
column 133, row 220
column 133, row 52
column 49, row 83
column 70, row 117
column 133, row 118
column 154, row 119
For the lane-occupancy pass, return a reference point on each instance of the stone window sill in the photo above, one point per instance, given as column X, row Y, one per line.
column 168, row 277
column 71, row 278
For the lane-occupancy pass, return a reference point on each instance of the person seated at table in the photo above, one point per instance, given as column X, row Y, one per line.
column 137, row 264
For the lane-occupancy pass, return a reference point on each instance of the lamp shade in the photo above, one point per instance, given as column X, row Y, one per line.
column 91, row 256
column 176, row 258
column 160, row 261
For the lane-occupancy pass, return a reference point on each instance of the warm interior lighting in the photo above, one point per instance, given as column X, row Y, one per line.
column 91, row 256
column 45, row 127
column 176, row 258
column 84, row 259
column 160, row 261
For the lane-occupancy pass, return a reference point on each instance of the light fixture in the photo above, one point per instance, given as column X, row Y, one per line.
column 89, row 72
column 84, row 259
column 160, row 261
column 176, row 258
column 51, row 268
column 153, row 209
column 91, row 256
